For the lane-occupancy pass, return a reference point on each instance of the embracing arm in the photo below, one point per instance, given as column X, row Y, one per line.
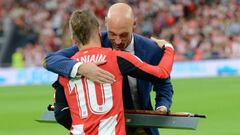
column 133, row 66
column 163, row 89
column 59, row 62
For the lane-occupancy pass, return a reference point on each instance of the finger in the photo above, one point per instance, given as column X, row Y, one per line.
column 158, row 40
column 103, row 80
column 163, row 41
column 106, row 79
column 162, row 110
column 154, row 39
column 98, row 81
column 107, row 75
column 100, row 62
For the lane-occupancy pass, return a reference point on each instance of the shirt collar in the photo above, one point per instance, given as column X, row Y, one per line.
column 130, row 47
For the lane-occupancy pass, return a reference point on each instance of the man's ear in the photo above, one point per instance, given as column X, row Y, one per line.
column 74, row 41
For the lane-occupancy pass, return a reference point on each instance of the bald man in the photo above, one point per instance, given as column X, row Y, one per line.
column 120, row 28
column 120, row 23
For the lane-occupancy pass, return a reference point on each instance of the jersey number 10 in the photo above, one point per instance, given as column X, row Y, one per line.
column 84, row 85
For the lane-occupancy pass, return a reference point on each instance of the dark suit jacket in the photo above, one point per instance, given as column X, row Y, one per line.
column 145, row 49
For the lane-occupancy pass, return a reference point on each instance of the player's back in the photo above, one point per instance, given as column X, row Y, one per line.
column 96, row 108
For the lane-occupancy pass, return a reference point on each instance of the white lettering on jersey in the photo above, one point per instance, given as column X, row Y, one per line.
column 92, row 58
column 77, row 130
column 106, row 97
column 76, row 84
column 107, row 126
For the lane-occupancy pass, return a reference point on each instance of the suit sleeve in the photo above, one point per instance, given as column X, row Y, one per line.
column 59, row 62
column 164, row 93
column 133, row 66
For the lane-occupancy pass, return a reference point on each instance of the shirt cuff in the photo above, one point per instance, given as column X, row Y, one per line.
column 75, row 69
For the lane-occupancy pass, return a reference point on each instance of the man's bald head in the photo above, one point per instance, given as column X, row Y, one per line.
column 120, row 23
column 121, row 10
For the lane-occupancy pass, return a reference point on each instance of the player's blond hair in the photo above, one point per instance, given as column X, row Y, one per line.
column 83, row 25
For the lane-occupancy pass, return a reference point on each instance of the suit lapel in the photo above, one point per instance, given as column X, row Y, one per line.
column 140, row 53
column 105, row 41
column 138, row 48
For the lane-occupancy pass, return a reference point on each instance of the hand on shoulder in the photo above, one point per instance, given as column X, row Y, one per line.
column 162, row 43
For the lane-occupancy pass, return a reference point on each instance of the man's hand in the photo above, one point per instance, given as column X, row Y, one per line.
column 162, row 43
column 96, row 74
column 162, row 109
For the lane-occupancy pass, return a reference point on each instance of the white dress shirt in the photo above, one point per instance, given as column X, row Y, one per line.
column 133, row 81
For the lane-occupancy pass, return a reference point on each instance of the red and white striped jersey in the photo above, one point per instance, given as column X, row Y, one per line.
column 97, row 109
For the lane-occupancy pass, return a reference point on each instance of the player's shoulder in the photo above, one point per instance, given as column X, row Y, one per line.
column 109, row 52
column 76, row 55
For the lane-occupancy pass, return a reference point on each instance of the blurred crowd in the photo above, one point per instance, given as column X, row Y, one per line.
column 199, row 29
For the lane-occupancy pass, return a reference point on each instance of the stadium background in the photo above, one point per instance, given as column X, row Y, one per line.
column 205, row 33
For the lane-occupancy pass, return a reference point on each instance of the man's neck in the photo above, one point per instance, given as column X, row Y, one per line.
column 91, row 44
